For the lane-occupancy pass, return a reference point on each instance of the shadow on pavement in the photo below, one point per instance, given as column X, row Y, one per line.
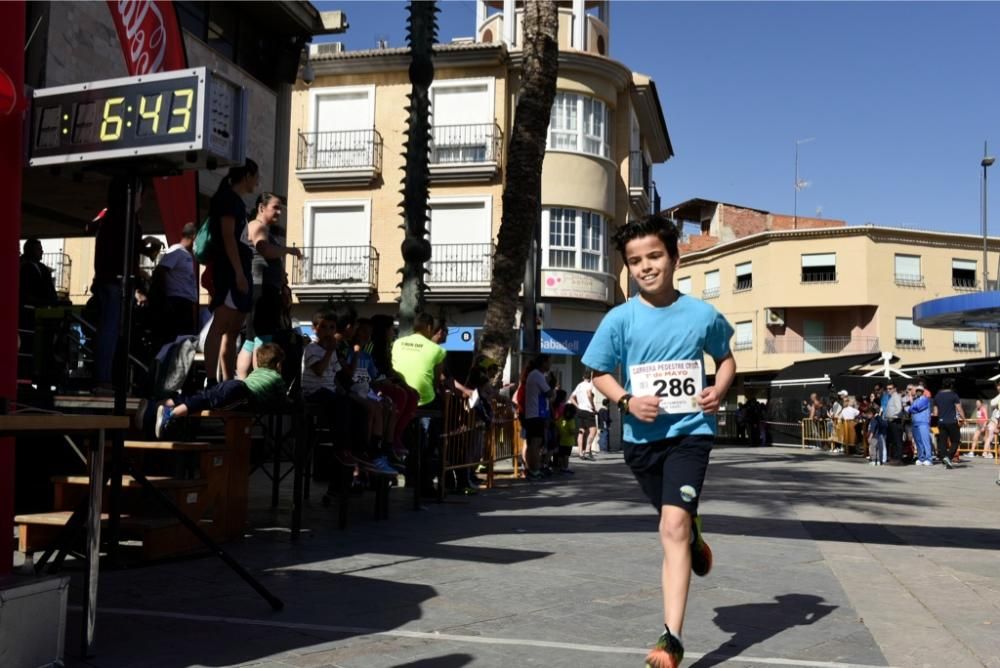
column 753, row 623
column 449, row 661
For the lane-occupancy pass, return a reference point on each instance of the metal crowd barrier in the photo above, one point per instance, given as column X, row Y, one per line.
column 467, row 444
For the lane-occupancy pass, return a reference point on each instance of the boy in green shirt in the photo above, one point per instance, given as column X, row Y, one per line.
column 263, row 387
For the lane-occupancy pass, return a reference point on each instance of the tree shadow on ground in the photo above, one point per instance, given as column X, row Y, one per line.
column 753, row 623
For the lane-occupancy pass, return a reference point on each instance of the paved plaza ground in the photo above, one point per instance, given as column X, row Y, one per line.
column 820, row 560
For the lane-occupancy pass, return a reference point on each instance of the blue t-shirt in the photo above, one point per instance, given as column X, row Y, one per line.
column 637, row 333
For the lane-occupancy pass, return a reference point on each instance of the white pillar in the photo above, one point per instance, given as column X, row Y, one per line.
column 579, row 25
column 509, row 15
column 480, row 15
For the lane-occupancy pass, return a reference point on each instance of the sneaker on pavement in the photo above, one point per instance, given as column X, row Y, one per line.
column 667, row 653
column 701, row 553
column 947, row 463
column 163, row 415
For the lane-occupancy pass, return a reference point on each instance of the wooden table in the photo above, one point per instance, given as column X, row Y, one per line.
column 26, row 425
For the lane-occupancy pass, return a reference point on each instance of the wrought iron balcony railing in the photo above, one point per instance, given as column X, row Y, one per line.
column 819, row 276
column 61, row 265
column 964, row 283
column 910, row 280
column 460, row 264
column 820, row 344
column 458, row 144
column 343, row 149
column 336, row 265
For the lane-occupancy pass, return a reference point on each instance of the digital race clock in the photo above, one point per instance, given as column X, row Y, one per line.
column 186, row 119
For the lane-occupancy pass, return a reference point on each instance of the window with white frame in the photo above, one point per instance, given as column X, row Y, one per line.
column 711, row 290
column 908, row 335
column 907, row 270
column 580, row 123
column 744, row 276
column 338, row 243
column 343, row 128
column 462, row 118
column 965, row 341
column 963, row 274
column 819, row 267
column 460, row 235
column 574, row 239
column 744, row 335
column 684, row 285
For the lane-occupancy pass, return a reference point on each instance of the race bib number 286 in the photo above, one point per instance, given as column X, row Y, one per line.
column 676, row 383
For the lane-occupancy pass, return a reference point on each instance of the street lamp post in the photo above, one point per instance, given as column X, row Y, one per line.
column 985, row 163
column 799, row 184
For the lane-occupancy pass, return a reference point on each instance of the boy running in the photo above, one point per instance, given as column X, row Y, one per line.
column 659, row 340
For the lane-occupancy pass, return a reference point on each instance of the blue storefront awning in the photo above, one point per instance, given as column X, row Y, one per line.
column 974, row 311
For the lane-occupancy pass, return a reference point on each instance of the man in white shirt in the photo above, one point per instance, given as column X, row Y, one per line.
column 586, row 417
column 175, row 289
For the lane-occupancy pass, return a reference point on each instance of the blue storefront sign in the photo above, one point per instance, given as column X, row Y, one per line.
column 565, row 341
column 461, row 339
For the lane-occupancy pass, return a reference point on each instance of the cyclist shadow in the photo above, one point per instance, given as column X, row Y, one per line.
column 753, row 623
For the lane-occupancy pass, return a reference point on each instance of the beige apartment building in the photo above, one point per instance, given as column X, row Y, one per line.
column 813, row 288
column 348, row 124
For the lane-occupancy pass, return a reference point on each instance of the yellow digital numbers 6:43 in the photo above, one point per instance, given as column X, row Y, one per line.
column 147, row 115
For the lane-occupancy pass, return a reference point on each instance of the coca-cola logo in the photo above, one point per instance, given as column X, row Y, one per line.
column 143, row 34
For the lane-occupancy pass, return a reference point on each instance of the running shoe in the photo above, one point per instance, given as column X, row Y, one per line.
column 381, row 466
column 667, row 653
column 163, row 415
column 947, row 463
column 701, row 553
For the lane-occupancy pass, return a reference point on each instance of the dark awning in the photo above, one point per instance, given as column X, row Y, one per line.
column 823, row 371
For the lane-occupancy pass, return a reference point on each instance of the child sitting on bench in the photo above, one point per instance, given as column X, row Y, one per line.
column 263, row 387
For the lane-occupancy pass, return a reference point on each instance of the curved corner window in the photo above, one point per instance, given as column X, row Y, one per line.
column 574, row 239
column 580, row 123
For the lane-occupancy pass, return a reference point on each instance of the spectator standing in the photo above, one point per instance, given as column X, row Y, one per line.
column 174, row 293
column 982, row 418
column 892, row 411
column 420, row 362
column 536, row 412
column 920, row 418
column 269, row 278
column 948, row 409
column 586, row 417
column 232, row 255
column 604, row 427
column 35, row 289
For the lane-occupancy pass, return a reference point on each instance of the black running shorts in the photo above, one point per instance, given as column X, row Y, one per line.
column 534, row 427
column 671, row 471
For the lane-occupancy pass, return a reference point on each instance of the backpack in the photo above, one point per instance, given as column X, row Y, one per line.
column 203, row 242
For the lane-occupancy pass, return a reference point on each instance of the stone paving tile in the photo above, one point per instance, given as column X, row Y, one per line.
column 818, row 558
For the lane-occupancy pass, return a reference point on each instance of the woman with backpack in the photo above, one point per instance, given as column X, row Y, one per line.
column 231, row 254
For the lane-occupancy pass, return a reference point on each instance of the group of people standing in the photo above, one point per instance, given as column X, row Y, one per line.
column 555, row 423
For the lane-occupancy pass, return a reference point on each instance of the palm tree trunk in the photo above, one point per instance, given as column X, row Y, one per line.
column 522, row 193
column 416, row 248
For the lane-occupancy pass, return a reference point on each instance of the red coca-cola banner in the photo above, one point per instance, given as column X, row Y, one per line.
column 152, row 41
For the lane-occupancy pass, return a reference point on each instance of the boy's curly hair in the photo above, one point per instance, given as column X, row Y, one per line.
column 657, row 224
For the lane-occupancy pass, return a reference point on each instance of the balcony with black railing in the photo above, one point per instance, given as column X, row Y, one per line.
column 339, row 158
column 457, row 271
column 641, row 189
column 331, row 271
column 465, row 152
column 61, row 265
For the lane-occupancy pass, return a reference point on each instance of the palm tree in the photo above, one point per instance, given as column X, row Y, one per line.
column 416, row 248
column 522, row 193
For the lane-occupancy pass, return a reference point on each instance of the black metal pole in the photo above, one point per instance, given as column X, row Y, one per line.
column 121, row 363
column 530, row 345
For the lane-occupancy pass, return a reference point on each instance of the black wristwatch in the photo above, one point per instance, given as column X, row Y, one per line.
column 623, row 403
